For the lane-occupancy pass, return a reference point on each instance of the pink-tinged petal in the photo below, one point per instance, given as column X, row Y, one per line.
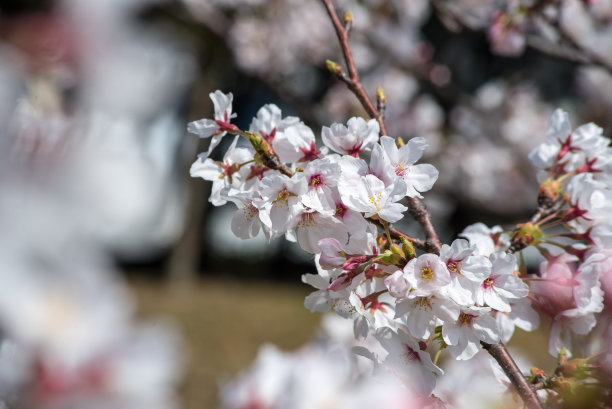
column 245, row 222
column 332, row 253
column 204, row 128
column 222, row 104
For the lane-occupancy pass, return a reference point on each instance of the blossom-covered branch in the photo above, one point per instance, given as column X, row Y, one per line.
column 416, row 208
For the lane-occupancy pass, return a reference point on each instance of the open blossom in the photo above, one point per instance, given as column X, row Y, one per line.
column 222, row 174
column 321, row 177
column 205, row 128
column 296, row 144
column 351, row 140
column 245, row 221
column 427, row 274
column 422, row 314
column 280, row 205
column 418, row 178
column 566, row 150
column 467, row 270
column 473, row 325
column 323, row 299
column 406, row 359
column 371, row 197
column 269, row 122
column 590, row 207
column 313, row 226
column 501, row 286
column 355, row 223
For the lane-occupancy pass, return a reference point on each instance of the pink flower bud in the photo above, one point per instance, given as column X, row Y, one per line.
column 557, row 287
column 332, row 253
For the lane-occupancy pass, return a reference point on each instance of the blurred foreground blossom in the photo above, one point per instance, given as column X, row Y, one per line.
column 89, row 142
column 321, row 374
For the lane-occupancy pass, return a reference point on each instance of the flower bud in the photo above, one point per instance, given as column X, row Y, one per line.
column 348, row 18
column 526, row 235
column 408, row 248
column 256, row 141
column 391, row 258
column 549, row 192
column 381, row 98
column 575, row 368
column 333, row 67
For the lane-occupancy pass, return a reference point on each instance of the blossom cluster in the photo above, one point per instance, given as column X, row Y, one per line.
column 320, row 374
column 483, row 136
column 575, row 172
column 326, row 372
column 333, row 202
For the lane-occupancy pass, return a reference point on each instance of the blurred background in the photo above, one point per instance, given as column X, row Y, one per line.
column 144, row 68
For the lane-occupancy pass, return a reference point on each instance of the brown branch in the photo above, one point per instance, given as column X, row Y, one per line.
column 504, row 359
column 398, row 235
column 419, row 212
column 352, row 81
column 417, row 209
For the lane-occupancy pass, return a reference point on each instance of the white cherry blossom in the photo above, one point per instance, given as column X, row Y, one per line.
column 467, row 270
column 222, row 174
column 501, row 285
column 280, row 202
column 406, row 359
column 427, row 274
column 313, row 226
column 418, row 178
column 372, row 197
column 473, row 325
column 205, row 128
column 358, row 136
column 321, row 177
column 296, row 144
column 269, row 122
column 422, row 314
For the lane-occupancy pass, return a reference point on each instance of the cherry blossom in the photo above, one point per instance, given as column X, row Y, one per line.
column 217, row 128
column 358, row 136
column 501, row 285
column 372, row 197
column 418, row 178
column 427, row 274
column 473, row 325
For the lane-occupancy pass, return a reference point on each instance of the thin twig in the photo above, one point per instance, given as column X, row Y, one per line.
column 353, row 81
column 417, row 209
column 398, row 235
